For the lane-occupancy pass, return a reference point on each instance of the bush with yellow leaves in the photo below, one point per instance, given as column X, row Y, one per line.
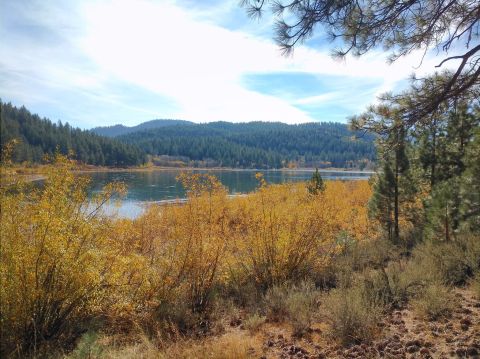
column 65, row 263
column 57, row 259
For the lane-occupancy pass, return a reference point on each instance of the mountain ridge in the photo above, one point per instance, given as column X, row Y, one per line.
column 256, row 144
column 119, row 129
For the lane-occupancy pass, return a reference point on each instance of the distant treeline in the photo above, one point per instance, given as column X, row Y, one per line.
column 252, row 145
column 243, row 145
column 38, row 137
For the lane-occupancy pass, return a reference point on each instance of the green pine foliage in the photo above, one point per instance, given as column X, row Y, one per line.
column 39, row 137
column 316, row 184
column 257, row 144
column 428, row 186
column 448, row 164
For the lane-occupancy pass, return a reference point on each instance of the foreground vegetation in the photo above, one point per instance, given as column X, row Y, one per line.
column 181, row 280
column 383, row 268
column 67, row 268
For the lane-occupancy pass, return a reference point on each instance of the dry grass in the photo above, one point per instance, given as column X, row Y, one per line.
column 434, row 302
column 254, row 322
column 475, row 285
column 229, row 346
column 352, row 317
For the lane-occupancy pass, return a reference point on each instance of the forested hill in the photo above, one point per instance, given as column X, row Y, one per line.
column 38, row 137
column 257, row 144
column 176, row 142
column 118, row 130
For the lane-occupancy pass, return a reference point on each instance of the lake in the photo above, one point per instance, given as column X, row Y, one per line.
column 159, row 186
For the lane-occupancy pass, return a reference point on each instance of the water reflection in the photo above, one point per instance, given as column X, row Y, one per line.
column 153, row 186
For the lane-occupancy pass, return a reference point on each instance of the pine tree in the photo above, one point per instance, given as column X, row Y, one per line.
column 316, row 184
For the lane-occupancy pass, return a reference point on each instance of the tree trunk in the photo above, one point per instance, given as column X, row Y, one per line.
column 434, row 154
column 396, row 229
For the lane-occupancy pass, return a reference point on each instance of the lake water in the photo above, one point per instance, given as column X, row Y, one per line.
column 161, row 186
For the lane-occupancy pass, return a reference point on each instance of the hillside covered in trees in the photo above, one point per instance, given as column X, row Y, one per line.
column 38, row 137
column 118, row 130
column 250, row 145
column 222, row 144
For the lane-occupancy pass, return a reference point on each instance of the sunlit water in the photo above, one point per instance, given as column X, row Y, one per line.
column 161, row 186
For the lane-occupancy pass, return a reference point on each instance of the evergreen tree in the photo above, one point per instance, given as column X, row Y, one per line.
column 394, row 188
column 39, row 137
column 316, row 184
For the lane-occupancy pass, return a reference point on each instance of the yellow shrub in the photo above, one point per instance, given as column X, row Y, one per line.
column 56, row 259
column 180, row 253
column 63, row 262
column 177, row 250
column 282, row 232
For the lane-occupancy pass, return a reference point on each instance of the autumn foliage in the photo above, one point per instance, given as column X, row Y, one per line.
column 66, row 265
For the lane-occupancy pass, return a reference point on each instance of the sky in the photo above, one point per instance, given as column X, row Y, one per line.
column 100, row 63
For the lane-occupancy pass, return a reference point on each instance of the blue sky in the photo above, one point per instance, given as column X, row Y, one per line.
column 98, row 63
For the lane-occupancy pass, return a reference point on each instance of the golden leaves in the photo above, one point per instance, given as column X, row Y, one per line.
column 63, row 260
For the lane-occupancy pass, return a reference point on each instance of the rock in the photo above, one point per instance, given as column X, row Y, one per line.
column 395, row 346
column 461, row 352
column 235, row 322
column 414, row 342
column 412, row 349
column 449, row 339
column 425, row 352
column 293, row 349
column 472, row 351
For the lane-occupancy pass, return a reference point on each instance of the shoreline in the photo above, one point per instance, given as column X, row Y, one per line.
column 38, row 175
column 217, row 169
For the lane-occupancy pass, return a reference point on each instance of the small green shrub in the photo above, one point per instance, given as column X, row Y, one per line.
column 301, row 307
column 399, row 283
column 298, row 304
column 376, row 287
column 355, row 257
column 475, row 285
column 352, row 316
column 177, row 317
column 470, row 246
column 435, row 301
column 451, row 263
column 369, row 254
column 87, row 347
column 254, row 322
column 242, row 290
column 276, row 303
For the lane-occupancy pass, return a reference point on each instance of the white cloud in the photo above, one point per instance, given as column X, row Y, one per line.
column 181, row 54
column 199, row 65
